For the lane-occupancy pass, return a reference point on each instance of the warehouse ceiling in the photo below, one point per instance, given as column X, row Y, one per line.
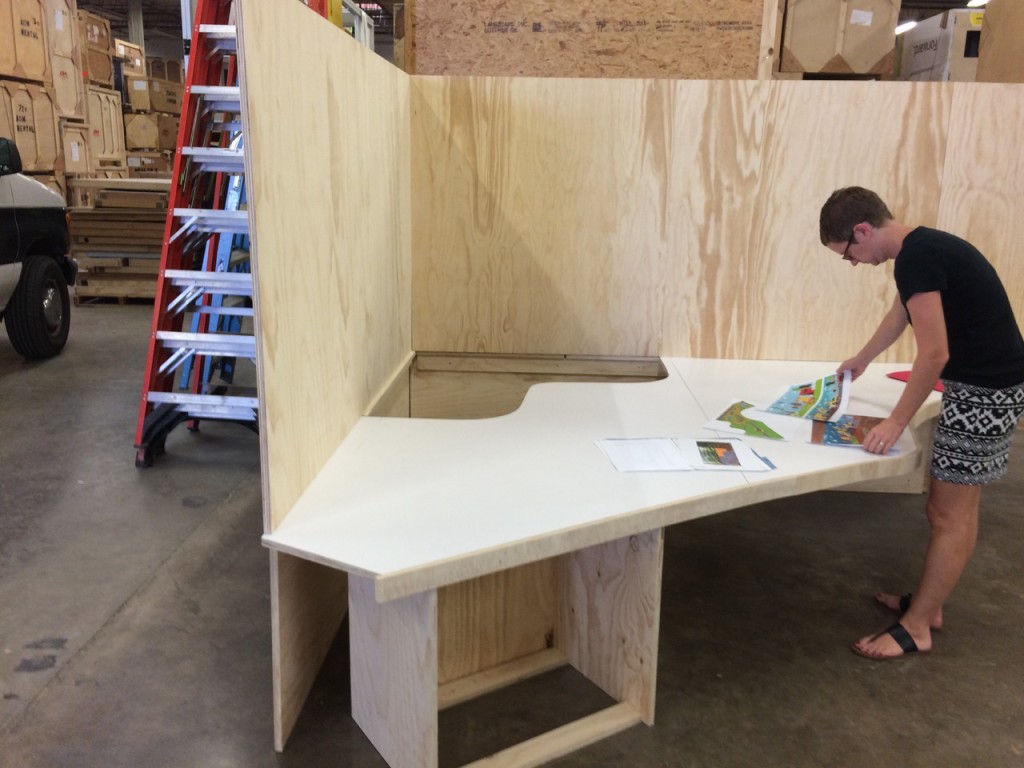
column 164, row 16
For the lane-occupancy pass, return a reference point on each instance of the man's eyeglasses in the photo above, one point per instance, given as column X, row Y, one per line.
column 846, row 250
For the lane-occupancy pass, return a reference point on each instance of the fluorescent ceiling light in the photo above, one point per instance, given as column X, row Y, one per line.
column 905, row 27
column 976, row 3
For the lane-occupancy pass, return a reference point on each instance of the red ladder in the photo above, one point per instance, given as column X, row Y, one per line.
column 193, row 281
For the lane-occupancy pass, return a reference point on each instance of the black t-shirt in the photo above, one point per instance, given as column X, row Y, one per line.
column 985, row 344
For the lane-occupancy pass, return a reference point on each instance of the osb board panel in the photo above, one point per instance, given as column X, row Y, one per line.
column 683, row 222
column 327, row 164
column 1001, row 55
column 601, row 38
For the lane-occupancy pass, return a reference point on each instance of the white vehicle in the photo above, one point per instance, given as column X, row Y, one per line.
column 35, row 270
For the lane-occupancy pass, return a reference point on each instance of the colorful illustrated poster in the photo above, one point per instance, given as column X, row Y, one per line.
column 734, row 419
column 823, row 399
column 847, row 430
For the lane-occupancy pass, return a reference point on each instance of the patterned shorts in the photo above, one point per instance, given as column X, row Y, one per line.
column 974, row 433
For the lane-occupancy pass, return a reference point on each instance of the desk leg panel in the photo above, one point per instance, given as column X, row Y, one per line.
column 394, row 673
column 611, row 617
column 307, row 605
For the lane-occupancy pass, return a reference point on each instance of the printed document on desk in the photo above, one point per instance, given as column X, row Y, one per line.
column 674, row 454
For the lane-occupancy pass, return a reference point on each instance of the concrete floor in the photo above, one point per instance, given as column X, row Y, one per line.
column 134, row 611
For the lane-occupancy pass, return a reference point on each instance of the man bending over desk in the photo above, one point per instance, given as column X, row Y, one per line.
column 967, row 335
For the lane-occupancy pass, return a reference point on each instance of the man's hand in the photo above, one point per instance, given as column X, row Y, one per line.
column 884, row 436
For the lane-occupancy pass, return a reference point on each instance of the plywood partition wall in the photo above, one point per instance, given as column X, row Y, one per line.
column 638, row 217
column 327, row 149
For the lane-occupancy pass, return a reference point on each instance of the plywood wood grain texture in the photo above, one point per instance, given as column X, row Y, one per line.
column 640, row 217
column 329, row 197
column 601, row 38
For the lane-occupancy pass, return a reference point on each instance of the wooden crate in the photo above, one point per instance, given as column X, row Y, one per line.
column 132, row 56
column 117, row 247
column 135, row 194
column 97, row 46
column 75, row 147
column 144, row 165
column 27, row 115
column 141, row 131
column 106, row 129
column 65, row 53
column 148, row 94
column 23, row 51
column 837, row 37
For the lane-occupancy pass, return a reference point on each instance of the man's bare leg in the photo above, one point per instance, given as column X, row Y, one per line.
column 953, row 515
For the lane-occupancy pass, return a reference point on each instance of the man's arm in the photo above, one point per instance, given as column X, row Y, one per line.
column 890, row 329
column 932, row 353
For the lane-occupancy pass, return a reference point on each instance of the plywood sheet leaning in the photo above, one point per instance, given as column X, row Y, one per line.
column 327, row 159
column 601, row 38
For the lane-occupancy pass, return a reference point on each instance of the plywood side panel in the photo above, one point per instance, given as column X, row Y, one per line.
column 328, row 153
column 540, row 214
column 983, row 183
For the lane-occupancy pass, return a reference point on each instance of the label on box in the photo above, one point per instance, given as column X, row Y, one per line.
column 139, row 85
column 58, row 20
column 74, row 152
column 861, row 18
column 976, row 18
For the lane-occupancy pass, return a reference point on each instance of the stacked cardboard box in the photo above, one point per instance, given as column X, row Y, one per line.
column 943, row 47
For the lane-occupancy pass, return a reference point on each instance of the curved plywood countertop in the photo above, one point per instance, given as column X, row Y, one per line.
column 416, row 504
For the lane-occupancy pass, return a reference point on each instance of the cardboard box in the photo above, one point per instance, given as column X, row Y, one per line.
column 1001, row 58
column 23, row 49
column 839, row 36
column 942, row 47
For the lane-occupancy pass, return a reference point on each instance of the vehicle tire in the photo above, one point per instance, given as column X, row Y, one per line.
column 38, row 315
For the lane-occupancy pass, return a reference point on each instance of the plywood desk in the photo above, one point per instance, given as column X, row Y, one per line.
column 408, row 507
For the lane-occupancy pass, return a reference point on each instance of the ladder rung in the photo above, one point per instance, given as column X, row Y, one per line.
column 219, row 98
column 213, row 221
column 216, row 159
column 209, row 406
column 222, row 344
column 218, row 31
column 228, row 283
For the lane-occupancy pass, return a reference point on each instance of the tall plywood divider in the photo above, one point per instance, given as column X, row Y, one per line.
column 983, row 182
column 327, row 154
column 685, row 221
